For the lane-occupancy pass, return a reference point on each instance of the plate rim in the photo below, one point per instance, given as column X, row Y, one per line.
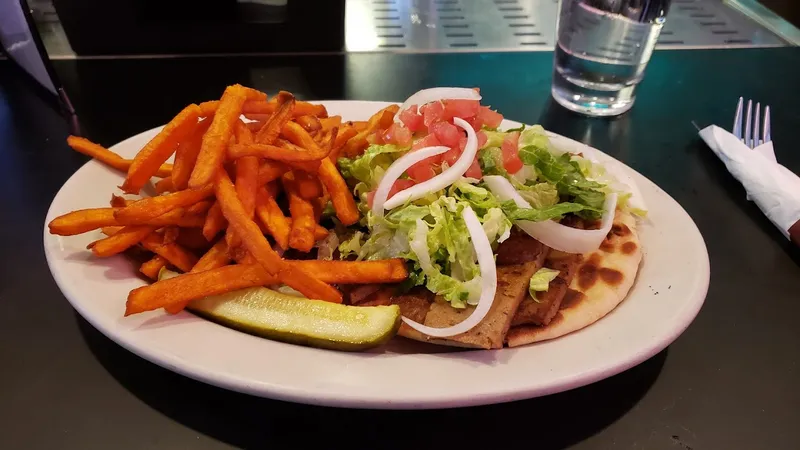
column 284, row 392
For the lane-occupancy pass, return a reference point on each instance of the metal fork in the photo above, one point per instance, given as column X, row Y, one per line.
column 751, row 127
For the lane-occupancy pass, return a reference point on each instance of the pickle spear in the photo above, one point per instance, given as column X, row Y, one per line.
column 316, row 323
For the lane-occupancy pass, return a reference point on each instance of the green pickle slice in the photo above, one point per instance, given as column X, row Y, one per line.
column 316, row 323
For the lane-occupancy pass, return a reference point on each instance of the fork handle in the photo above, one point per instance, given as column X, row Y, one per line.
column 794, row 233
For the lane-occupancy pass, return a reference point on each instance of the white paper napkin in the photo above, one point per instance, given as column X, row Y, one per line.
column 773, row 187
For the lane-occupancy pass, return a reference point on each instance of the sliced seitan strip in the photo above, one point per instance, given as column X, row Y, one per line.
column 543, row 311
column 512, row 284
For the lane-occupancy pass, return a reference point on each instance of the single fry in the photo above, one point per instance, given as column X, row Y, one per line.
column 295, row 134
column 273, row 126
column 186, row 156
column 255, row 126
column 162, row 146
column 254, row 94
column 212, row 148
column 309, row 123
column 344, row 135
column 175, row 254
column 269, row 171
column 120, row 202
column 214, row 258
column 215, row 222
column 151, row 267
column 170, row 235
column 81, row 221
column 272, row 218
column 275, row 153
column 107, row 157
column 110, row 231
column 193, row 239
column 247, row 170
column 258, row 246
column 149, row 208
column 331, row 122
column 381, row 119
column 164, row 185
column 197, row 285
column 301, row 236
column 308, row 186
column 199, row 208
column 343, row 202
column 120, row 241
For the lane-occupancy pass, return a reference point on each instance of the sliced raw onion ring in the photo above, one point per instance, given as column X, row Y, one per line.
column 553, row 234
column 441, row 181
column 488, row 281
column 435, row 94
column 396, row 170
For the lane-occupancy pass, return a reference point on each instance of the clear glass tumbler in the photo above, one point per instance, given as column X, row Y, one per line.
column 602, row 49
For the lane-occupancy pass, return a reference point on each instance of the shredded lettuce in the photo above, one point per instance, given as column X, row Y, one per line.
column 369, row 167
column 491, row 161
column 513, row 212
column 539, row 195
column 540, row 281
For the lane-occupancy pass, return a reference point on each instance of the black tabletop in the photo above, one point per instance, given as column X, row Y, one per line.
column 729, row 382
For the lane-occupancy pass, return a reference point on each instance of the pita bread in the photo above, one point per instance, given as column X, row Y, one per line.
column 602, row 281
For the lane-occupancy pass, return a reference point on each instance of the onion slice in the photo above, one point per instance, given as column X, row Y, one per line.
column 396, row 170
column 435, row 94
column 488, row 281
column 441, row 181
column 551, row 233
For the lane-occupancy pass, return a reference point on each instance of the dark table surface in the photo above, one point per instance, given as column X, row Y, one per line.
column 729, row 382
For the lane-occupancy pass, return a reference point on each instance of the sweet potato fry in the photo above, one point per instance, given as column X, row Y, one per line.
column 215, row 257
column 120, row 202
column 197, row 285
column 381, row 119
column 271, row 216
column 255, row 126
column 121, row 240
column 186, row 156
column 306, row 166
column 309, row 123
column 199, row 208
column 254, row 94
column 209, row 108
column 301, row 108
column 164, row 185
column 272, row 128
column 247, row 169
column 344, row 135
column 174, row 253
column 301, row 236
column 151, row 267
column 81, row 221
column 346, row 209
column 107, row 157
column 295, row 134
column 275, row 153
column 112, row 230
column 149, row 208
column 215, row 222
column 263, row 118
column 161, row 147
column 269, row 171
column 259, row 247
column 193, row 239
column 331, row 122
column 308, row 186
column 170, row 234
column 212, row 148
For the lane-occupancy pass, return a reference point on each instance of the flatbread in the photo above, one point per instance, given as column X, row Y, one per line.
column 602, row 281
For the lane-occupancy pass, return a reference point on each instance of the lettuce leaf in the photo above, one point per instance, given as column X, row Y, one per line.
column 369, row 167
column 514, row 212
column 540, row 281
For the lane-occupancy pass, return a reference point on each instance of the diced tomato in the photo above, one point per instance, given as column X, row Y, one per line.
column 412, row 119
column 474, row 170
column 421, row 171
column 464, row 109
column 397, row 134
column 476, row 122
column 490, row 118
column 432, row 112
column 482, row 138
column 447, row 133
column 398, row 186
column 511, row 160
column 451, row 156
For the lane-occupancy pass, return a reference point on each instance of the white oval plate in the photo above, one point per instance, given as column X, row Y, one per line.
column 669, row 291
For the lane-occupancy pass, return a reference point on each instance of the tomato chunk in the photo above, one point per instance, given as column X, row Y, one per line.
column 482, row 138
column 474, row 170
column 510, row 149
column 490, row 118
column 412, row 119
column 447, row 133
column 431, row 113
column 398, row 135
column 464, row 109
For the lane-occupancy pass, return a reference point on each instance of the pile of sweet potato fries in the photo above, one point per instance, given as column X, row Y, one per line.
column 218, row 201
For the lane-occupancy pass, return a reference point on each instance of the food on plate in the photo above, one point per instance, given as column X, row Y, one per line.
column 282, row 221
